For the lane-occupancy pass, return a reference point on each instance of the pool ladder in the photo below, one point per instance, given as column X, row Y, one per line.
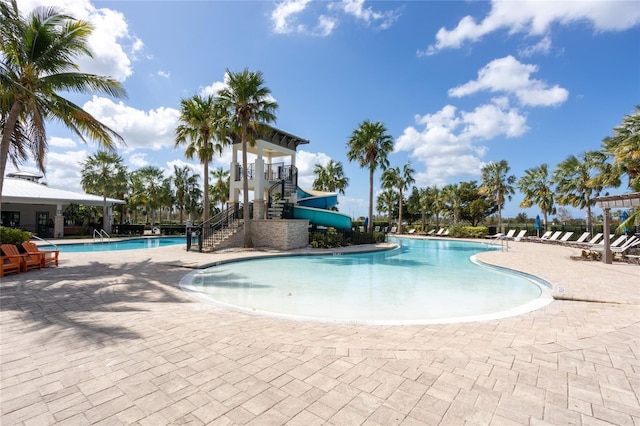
column 102, row 234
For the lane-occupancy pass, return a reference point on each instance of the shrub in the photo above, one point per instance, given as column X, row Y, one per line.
column 464, row 231
column 13, row 236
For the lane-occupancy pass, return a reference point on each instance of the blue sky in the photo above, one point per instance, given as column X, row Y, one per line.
column 458, row 84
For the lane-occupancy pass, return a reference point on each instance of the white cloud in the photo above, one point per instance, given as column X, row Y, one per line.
column 61, row 142
column 447, row 145
column 305, row 162
column 284, row 13
column 64, row 169
column 542, row 47
column 508, row 75
column 356, row 9
column 138, row 160
column 109, row 42
column 535, row 18
column 165, row 74
column 153, row 129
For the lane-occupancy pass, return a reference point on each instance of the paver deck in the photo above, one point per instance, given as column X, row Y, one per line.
column 109, row 338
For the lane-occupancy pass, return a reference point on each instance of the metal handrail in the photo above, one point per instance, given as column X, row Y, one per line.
column 45, row 241
column 101, row 234
column 207, row 231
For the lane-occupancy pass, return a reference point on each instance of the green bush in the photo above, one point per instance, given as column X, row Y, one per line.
column 13, row 236
column 464, row 231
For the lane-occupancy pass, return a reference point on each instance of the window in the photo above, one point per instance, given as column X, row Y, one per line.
column 10, row 219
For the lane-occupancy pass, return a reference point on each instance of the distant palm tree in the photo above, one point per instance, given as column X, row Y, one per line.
column 497, row 185
column 248, row 104
column 387, row 200
column 220, row 189
column 153, row 181
column 183, row 180
column 370, row 145
column 394, row 178
column 579, row 180
column 624, row 147
column 38, row 54
column 537, row 189
column 201, row 130
column 330, row 177
column 105, row 174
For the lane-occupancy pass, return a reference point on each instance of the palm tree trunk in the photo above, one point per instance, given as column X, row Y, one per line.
column 105, row 219
column 400, row 214
column 370, row 227
column 206, row 192
column 9, row 127
column 248, row 242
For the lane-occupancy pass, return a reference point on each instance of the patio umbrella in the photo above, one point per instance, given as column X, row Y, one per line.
column 538, row 225
column 625, row 216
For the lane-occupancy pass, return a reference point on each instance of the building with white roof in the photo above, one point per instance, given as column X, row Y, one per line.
column 30, row 205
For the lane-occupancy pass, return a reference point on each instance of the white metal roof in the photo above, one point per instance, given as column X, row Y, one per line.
column 22, row 191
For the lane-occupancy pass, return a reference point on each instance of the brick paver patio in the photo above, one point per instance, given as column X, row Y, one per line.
column 109, row 338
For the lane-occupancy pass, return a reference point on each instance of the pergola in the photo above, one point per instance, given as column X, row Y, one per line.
column 607, row 203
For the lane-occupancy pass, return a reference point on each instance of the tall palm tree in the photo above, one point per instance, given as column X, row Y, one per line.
column 183, row 180
column 38, row 54
column 249, row 105
column 154, row 183
column 624, row 147
column 497, row 185
column 452, row 200
column 579, row 180
column 220, row 189
column 370, row 145
column 104, row 173
column 537, row 189
column 394, row 177
column 201, row 129
column 330, row 177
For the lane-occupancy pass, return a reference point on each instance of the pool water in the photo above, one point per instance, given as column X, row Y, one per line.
column 133, row 244
column 424, row 281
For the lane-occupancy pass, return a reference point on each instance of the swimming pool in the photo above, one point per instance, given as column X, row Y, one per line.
column 422, row 282
column 132, row 244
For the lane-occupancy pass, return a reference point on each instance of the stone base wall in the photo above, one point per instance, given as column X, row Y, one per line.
column 281, row 234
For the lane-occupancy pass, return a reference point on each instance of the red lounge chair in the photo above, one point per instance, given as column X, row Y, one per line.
column 27, row 261
column 46, row 256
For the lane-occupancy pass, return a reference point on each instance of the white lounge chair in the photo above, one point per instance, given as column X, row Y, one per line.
column 521, row 235
column 620, row 249
column 431, row 231
column 510, row 234
column 582, row 238
column 440, row 231
column 546, row 235
column 565, row 237
column 411, row 231
column 589, row 243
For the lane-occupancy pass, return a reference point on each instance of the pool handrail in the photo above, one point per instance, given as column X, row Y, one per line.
column 101, row 234
column 44, row 241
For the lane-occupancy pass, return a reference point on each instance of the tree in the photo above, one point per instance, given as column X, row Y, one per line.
column 536, row 186
column 38, row 54
column 330, row 177
column 452, row 198
column 153, row 181
column 201, row 129
column 579, row 180
column 497, row 185
column 105, row 174
column 249, row 106
column 401, row 180
column 624, row 148
column 370, row 145
column 184, row 181
column 387, row 201
column 220, row 189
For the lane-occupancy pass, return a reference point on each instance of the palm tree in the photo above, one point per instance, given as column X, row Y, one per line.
column 579, row 180
column 537, row 189
column 104, row 173
column 387, row 200
column 201, row 129
column 220, row 189
column 401, row 180
column 183, row 180
column 153, row 182
column 624, row 147
column 330, row 177
column 35, row 73
column 452, row 200
column 249, row 106
column 497, row 185
column 370, row 145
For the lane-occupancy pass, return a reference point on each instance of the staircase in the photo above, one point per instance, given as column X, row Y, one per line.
column 282, row 193
column 220, row 231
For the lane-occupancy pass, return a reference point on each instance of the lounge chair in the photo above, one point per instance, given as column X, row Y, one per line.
column 591, row 242
column 27, row 261
column 565, row 237
column 521, row 235
column 582, row 238
column 553, row 237
column 510, row 234
column 46, row 256
column 496, row 235
column 446, row 232
column 10, row 264
column 621, row 240
column 431, row 231
column 440, row 231
column 411, row 231
column 621, row 249
column 546, row 235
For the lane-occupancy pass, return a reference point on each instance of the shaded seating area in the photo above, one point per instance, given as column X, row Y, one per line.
column 47, row 257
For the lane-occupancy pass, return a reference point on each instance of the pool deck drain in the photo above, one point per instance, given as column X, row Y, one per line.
column 109, row 338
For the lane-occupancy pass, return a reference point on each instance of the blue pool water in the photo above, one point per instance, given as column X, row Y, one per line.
column 133, row 244
column 424, row 281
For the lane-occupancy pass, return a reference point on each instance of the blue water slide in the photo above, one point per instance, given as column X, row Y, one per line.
column 314, row 205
